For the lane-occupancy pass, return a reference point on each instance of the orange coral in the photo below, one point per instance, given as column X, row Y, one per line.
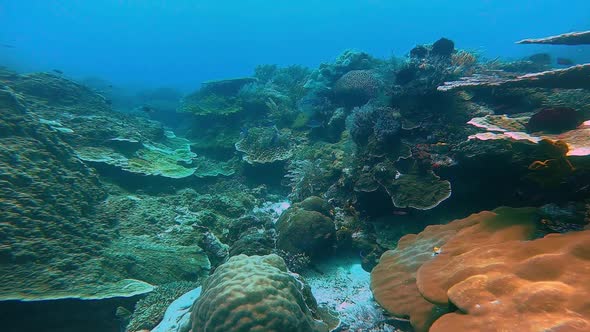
column 435, row 277
column 540, row 285
column 488, row 269
column 393, row 280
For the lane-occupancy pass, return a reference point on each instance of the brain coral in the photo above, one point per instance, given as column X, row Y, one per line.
column 356, row 87
column 254, row 293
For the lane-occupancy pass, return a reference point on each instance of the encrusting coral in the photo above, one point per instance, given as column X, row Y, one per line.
column 490, row 270
column 48, row 199
column 539, row 285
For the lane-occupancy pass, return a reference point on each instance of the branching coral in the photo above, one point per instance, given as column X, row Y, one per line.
column 305, row 178
column 295, row 262
column 380, row 124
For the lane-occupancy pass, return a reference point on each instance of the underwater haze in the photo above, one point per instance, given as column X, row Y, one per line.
column 182, row 43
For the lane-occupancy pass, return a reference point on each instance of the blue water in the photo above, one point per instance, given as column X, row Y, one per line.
column 183, row 42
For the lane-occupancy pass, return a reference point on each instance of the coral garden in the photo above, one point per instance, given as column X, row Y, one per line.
column 456, row 190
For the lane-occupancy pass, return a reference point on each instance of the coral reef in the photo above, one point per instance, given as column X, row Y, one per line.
column 356, row 87
column 48, row 202
column 400, row 279
column 317, row 172
column 255, row 293
column 265, row 145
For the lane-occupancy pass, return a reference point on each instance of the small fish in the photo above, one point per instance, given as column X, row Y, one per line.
column 147, row 109
column 436, row 250
column 243, row 132
column 400, row 213
column 564, row 62
column 275, row 139
column 7, row 46
column 58, row 71
column 276, row 135
column 314, row 124
column 540, row 58
column 123, row 313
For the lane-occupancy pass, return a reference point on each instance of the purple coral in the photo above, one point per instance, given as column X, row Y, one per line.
column 382, row 123
column 362, row 122
column 387, row 124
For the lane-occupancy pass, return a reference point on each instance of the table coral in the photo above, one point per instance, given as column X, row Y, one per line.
column 415, row 189
column 577, row 140
column 264, row 145
column 571, row 38
column 574, row 77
